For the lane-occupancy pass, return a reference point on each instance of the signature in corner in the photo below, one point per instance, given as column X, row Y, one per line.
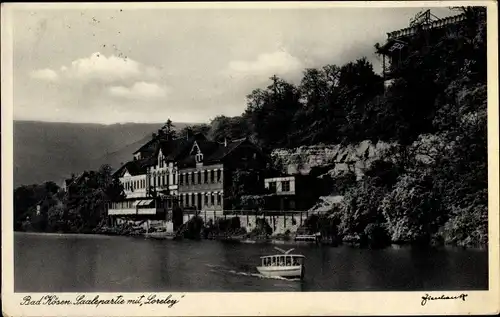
column 427, row 298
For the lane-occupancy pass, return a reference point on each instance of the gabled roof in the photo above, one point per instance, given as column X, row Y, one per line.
column 76, row 180
column 147, row 145
column 135, row 167
column 207, row 147
column 223, row 150
column 213, row 152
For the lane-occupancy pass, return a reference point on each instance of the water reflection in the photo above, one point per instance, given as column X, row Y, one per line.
column 95, row 263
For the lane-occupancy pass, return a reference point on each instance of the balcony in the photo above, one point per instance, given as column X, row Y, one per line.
column 138, row 207
column 122, row 211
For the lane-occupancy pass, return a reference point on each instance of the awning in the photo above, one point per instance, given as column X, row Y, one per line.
column 137, row 203
column 145, row 202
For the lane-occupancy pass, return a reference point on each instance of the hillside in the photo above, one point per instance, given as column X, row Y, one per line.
column 52, row 151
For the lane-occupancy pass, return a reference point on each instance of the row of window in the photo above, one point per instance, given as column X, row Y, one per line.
column 199, row 200
column 201, row 177
column 285, row 186
column 134, row 184
column 123, row 205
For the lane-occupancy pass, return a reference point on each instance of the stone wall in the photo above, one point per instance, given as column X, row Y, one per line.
column 279, row 223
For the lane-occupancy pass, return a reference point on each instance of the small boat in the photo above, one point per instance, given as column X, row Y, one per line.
column 282, row 265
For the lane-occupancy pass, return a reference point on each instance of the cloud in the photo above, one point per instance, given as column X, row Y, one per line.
column 44, row 74
column 267, row 64
column 100, row 68
column 140, row 90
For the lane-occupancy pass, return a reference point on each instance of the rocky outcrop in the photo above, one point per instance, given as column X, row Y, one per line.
column 354, row 157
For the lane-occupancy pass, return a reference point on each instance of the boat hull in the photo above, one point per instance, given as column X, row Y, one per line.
column 282, row 271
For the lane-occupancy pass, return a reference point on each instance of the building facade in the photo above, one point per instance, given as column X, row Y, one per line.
column 291, row 192
column 187, row 174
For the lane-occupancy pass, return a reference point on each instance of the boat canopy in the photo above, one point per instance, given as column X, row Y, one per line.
column 283, row 255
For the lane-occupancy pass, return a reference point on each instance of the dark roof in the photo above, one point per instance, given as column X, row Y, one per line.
column 76, row 180
column 173, row 149
column 147, row 145
column 223, row 150
column 179, row 150
column 135, row 167
column 212, row 151
column 208, row 147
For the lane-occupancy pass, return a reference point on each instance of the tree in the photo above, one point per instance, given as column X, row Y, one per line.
column 26, row 199
column 360, row 208
column 167, row 131
column 189, row 131
column 243, row 183
column 271, row 113
column 413, row 210
column 224, row 128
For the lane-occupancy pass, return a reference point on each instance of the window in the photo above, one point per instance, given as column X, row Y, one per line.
column 181, row 179
column 192, row 179
column 218, row 175
column 174, row 176
column 285, row 186
column 199, row 177
column 206, row 199
column 212, row 198
column 206, row 176
column 199, row 158
column 219, row 198
column 212, row 176
column 272, row 187
column 198, row 200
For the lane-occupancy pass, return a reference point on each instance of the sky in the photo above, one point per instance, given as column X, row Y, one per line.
column 118, row 65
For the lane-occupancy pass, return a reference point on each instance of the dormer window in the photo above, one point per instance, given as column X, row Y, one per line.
column 199, row 158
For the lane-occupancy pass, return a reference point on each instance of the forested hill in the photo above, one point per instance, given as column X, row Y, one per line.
column 436, row 107
column 50, row 151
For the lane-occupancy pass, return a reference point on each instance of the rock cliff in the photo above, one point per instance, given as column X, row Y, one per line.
column 355, row 157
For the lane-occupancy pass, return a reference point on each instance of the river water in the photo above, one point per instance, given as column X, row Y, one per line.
column 93, row 263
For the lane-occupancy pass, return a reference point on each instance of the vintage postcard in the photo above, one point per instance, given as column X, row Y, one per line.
column 246, row 158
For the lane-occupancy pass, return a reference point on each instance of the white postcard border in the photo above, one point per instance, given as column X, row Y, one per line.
column 258, row 304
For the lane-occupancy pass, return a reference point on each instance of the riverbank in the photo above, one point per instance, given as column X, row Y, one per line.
column 244, row 239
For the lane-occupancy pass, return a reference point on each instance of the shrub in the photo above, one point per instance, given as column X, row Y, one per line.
column 467, row 227
column 360, row 207
column 412, row 210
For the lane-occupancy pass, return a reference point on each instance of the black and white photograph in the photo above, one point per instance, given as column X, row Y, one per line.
column 282, row 149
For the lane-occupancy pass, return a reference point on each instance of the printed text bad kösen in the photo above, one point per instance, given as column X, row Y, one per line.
column 49, row 300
